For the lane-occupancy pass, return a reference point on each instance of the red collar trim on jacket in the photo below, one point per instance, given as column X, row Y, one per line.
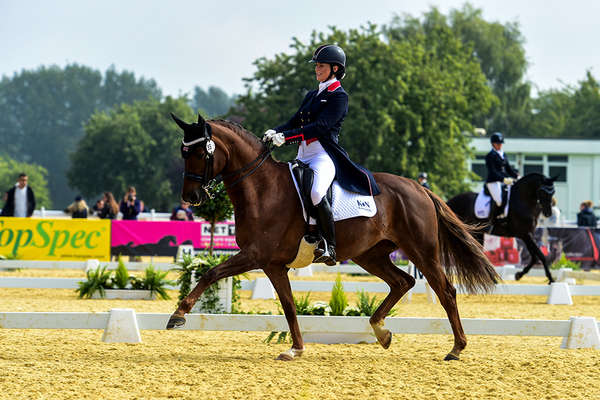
column 334, row 86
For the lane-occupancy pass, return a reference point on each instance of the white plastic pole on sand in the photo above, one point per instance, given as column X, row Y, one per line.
column 583, row 334
column 122, row 327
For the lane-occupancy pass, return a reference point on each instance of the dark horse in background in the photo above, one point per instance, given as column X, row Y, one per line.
column 529, row 196
column 270, row 225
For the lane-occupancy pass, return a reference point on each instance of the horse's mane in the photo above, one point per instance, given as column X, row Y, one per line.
column 248, row 136
column 535, row 176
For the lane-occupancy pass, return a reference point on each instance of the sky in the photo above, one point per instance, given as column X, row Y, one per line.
column 184, row 44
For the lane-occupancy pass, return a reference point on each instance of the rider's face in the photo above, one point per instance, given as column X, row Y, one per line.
column 497, row 146
column 322, row 71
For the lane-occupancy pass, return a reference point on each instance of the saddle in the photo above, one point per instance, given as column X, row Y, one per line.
column 304, row 178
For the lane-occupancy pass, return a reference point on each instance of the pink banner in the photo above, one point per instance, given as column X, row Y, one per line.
column 224, row 237
column 161, row 238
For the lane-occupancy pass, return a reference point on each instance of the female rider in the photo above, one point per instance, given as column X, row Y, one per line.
column 316, row 127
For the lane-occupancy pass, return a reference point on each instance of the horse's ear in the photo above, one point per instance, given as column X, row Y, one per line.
column 554, row 178
column 201, row 121
column 182, row 125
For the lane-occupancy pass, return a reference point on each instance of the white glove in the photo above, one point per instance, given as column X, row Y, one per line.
column 268, row 136
column 278, row 139
column 508, row 181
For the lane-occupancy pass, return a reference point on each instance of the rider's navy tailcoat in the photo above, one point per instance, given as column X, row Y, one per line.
column 498, row 168
column 320, row 117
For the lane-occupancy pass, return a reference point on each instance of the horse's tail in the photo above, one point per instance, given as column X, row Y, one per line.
column 461, row 255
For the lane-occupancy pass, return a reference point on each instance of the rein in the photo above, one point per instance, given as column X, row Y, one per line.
column 209, row 183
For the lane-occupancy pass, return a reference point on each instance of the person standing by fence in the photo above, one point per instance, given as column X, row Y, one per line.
column 130, row 206
column 586, row 216
column 19, row 200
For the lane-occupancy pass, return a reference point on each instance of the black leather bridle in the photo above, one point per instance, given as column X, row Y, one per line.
column 205, row 180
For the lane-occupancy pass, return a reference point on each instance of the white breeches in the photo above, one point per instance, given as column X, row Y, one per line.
column 495, row 189
column 320, row 162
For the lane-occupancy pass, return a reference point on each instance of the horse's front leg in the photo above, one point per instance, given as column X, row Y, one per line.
column 525, row 270
column 536, row 252
column 238, row 264
column 281, row 282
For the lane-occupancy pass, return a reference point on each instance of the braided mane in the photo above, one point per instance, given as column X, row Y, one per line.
column 240, row 130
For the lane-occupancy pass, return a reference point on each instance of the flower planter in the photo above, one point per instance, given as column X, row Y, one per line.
column 221, row 305
column 126, row 294
column 338, row 338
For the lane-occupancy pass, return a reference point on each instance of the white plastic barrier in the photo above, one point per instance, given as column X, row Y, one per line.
column 27, row 264
column 577, row 332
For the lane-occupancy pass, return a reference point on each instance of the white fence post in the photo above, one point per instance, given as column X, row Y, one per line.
column 583, row 334
column 263, row 289
column 122, row 327
column 91, row 265
column 560, row 294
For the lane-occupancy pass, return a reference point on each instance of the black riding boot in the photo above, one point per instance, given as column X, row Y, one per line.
column 326, row 226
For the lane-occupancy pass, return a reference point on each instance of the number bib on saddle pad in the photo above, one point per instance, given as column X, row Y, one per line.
column 344, row 204
column 483, row 204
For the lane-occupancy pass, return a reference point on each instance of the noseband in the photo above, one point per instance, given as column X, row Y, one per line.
column 205, row 180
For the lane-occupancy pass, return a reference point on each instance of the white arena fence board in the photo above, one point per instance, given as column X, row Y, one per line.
column 313, row 286
column 269, row 323
column 132, row 266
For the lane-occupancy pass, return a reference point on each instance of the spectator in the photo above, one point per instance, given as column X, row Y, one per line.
column 423, row 180
column 183, row 212
column 130, row 206
column 97, row 208
column 77, row 209
column 110, row 208
column 554, row 219
column 586, row 216
column 19, row 200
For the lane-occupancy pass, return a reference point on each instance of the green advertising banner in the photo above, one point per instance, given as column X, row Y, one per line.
column 55, row 239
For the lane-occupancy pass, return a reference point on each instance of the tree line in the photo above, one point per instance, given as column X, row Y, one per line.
column 418, row 86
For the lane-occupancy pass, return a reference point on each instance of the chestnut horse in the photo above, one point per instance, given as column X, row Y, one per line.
column 270, row 225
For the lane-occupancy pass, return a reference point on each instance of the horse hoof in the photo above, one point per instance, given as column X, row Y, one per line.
column 175, row 321
column 450, row 357
column 518, row 276
column 290, row 354
column 386, row 339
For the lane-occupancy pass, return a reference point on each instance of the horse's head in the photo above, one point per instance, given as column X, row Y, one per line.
column 544, row 195
column 201, row 160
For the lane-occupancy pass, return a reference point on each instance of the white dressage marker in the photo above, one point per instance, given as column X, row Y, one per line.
column 583, row 334
column 560, row 294
column 122, row 327
column 263, row 289
column 91, row 265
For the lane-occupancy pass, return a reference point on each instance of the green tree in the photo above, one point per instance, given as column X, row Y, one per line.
column 410, row 99
column 134, row 145
column 501, row 54
column 42, row 113
column 216, row 209
column 499, row 50
column 9, row 172
column 214, row 102
column 572, row 111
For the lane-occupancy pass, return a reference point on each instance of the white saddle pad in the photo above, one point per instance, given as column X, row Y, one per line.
column 483, row 204
column 345, row 205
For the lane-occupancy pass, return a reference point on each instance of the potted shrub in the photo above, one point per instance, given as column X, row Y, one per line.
column 220, row 297
column 338, row 305
column 103, row 284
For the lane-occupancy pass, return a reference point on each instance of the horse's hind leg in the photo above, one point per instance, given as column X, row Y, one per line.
column 377, row 262
column 433, row 271
column 535, row 252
